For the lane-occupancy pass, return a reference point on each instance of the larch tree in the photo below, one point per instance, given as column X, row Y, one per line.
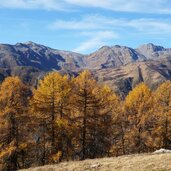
column 120, row 123
column 13, row 123
column 78, row 118
column 107, row 111
column 92, row 111
column 163, row 112
column 82, row 96
column 50, row 106
column 139, row 110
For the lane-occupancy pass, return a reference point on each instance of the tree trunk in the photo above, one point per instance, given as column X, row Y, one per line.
column 84, row 126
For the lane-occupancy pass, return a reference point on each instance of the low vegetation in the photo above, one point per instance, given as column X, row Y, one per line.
column 141, row 162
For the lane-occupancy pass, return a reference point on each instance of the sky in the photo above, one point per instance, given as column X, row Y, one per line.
column 84, row 26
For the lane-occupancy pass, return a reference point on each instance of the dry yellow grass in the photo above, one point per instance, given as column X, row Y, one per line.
column 143, row 162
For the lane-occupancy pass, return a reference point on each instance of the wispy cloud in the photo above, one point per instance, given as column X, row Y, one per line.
column 90, row 3
column 99, row 22
column 33, row 4
column 86, row 22
column 98, row 29
column 150, row 25
column 96, row 40
column 142, row 6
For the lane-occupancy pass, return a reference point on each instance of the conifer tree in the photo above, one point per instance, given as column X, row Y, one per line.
column 79, row 119
column 93, row 115
column 108, row 111
column 163, row 112
column 120, row 124
column 13, row 123
column 50, row 107
column 139, row 109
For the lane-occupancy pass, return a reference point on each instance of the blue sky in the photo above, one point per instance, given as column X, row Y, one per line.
column 85, row 25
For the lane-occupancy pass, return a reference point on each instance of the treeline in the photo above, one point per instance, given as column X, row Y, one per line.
column 76, row 118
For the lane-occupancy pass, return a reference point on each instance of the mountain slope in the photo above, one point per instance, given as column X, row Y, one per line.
column 45, row 58
column 124, row 78
column 118, row 66
column 150, row 51
column 107, row 57
column 38, row 56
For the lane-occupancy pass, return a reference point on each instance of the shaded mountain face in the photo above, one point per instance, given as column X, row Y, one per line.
column 38, row 56
column 118, row 66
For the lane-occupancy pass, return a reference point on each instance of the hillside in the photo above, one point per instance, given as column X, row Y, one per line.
column 124, row 78
column 142, row 162
column 47, row 59
column 118, row 66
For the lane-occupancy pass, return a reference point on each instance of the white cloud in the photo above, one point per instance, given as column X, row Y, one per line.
column 90, row 3
column 86, row 22
column 33, row 4
column 73, row 25
column 142, row 6
column 96, row 40
column 98, row 22
column 145, row 6
column 153, row 26
column 100, row 29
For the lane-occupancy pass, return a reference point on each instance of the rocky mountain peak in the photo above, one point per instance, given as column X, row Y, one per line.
column 120, row 67
column 30, row 43
column 150, row 50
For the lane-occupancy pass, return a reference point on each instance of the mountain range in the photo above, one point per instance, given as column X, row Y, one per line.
column 120, row 67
